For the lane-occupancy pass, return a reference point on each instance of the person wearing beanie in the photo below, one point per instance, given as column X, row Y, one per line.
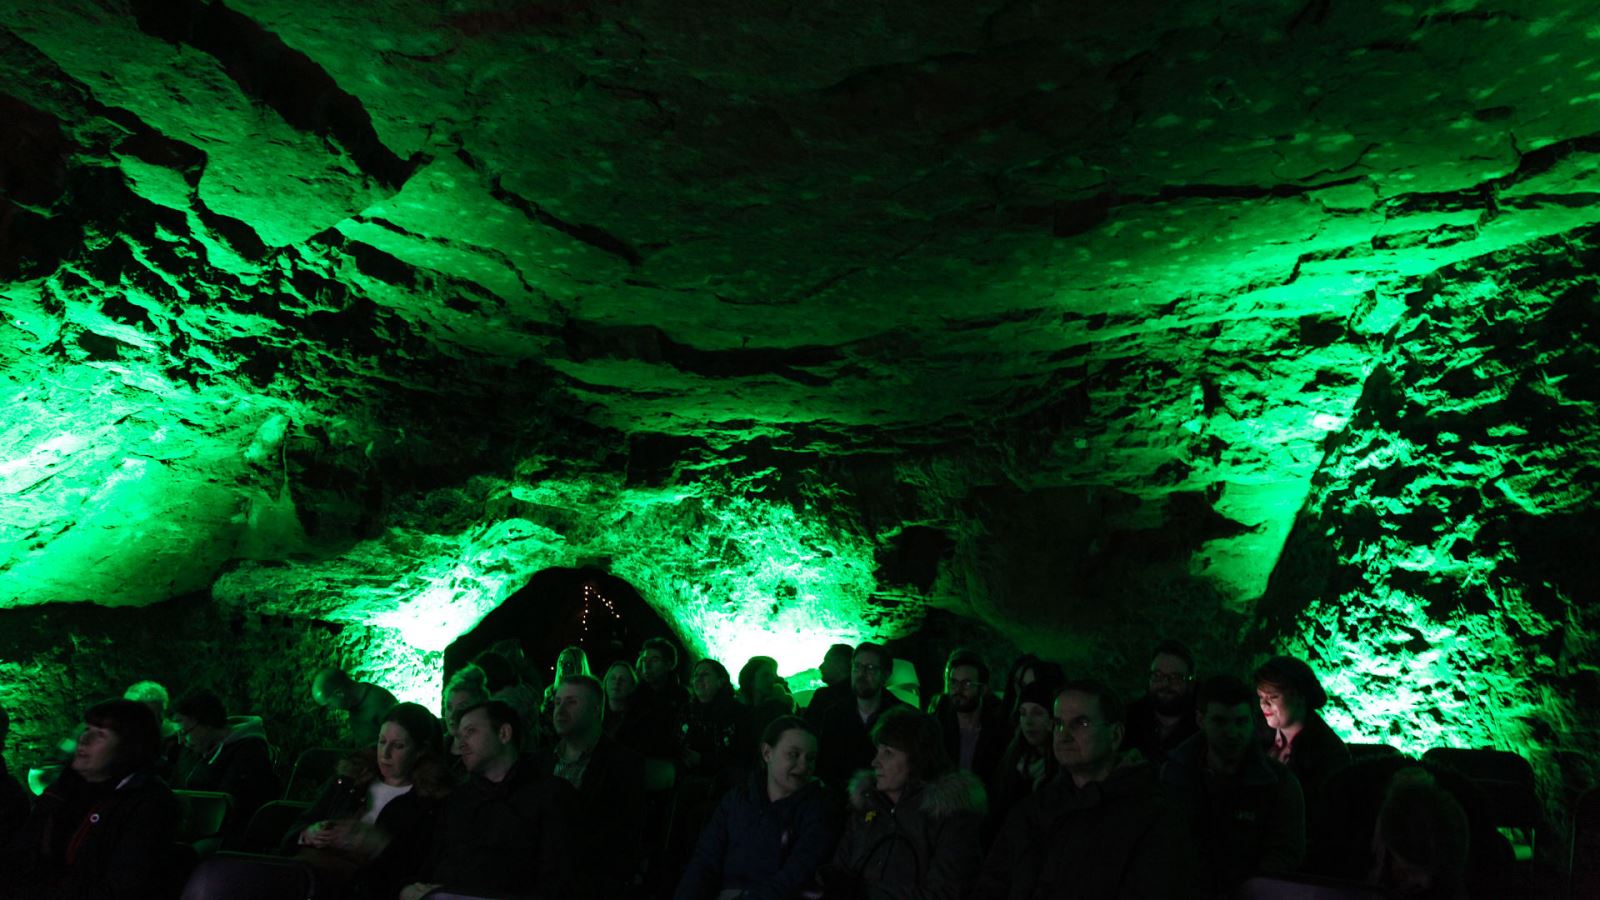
column 230, row 754
column 1028, row 761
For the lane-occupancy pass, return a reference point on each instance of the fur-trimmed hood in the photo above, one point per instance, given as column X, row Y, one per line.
column 956, row 791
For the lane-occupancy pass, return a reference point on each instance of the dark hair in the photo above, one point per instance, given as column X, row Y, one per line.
column 773, row 733
column 334, row 677
column 1112, row 708
column 468, row 678
column 500, row 715
column 747, row 676
column 1423, row 823
column 885, row 658
column 961, row 656
column 838, row 650
column 720, row 669
column 497, row 670
column 665, row 646
column 431, row 774
column 1292, row 676
column 1224, row 690
column 1171, row 647
column 137, row 729
column 420, row 724
column 204, row 707
column 918, row 736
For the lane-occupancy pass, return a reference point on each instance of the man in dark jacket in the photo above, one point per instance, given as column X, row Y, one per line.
column 609, row 816
column 1164, row 718
column 768, row 849
column 1103, row 831
column 506, row 828
column 975, row 730
column 104, row 829
column 365, row 704
column 846, row 728
column 1246, row 811
column 835, row 672
column 659, row 705
column 231, row 755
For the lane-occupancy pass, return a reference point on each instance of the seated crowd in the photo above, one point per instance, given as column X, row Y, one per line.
column 1048, row 787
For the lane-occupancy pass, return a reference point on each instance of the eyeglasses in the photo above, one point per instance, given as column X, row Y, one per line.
column 868, row 668
column 1076, row 726
column 1169, row 678
column 965, row 684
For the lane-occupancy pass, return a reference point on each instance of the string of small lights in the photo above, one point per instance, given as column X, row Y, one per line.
column 591, row 594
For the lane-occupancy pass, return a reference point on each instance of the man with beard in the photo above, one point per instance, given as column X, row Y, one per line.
column 846, row 742
column 1246, row 811
column 1164, row 718
column 974, row 728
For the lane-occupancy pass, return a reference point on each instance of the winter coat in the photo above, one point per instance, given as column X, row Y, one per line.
column 769, row 850
column 1247, row 823
column 993, row 734
column 1316, row 753
column 1117, row 839
column 510, row 835
column 844, row 742
column 925, row 847
column 720, row 732
column 107, row 841
column 241, row 767
column 608, row 819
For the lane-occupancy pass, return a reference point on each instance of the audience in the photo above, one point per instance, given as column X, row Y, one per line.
column 230, row 754
column 1245, row 810
column 607, row 854
column 507, row 828
column 835, row 672
column 845, row 732
column 768, row 836
column 915, row 819
column 373, row 824
column 1103, row 830
column 1290, row 697
column 1165, row 717
column 364, row 704
column 105, row 827
column 15, row 801
column 763, row 692
column 975, row 729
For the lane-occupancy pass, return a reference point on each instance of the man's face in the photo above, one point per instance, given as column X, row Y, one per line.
column 619, row 683
column 707, row 682
column 1228, row 730
column 96, row 753
column 477, row 743
column 966, row 691
column 653, row 665
column 867, row 675
column 1170, row 682
column 1084, row 741
column 835, row 668
column 575, row 711
column 328, row 695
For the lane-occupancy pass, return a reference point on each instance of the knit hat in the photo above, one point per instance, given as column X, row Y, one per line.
column 1040, row 692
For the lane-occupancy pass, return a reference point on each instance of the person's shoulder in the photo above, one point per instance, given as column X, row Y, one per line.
column 955, row 792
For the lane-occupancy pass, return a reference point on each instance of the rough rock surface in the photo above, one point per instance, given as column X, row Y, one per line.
column 805, row 320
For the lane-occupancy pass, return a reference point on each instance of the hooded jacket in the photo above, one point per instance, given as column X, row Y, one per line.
column 84, row 841
column 925, row 847
column 241, row 767
column 1117, row 839
column 768, row 849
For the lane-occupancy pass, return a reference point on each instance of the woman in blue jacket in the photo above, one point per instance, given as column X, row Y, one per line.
column 768, row 835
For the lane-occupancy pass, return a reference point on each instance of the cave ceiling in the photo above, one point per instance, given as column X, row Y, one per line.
column 264, row 260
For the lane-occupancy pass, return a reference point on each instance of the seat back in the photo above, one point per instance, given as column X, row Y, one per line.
column 1301, row 888
column 312, row 770
column 1507, row 783
column 269, row 825
column 202, row 815
column 1372, row 751
column 244, row 876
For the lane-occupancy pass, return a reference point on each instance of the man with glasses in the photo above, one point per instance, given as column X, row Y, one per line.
column 1104, row 830
column 1164, row 718
column 845, row 740
column 974, row 728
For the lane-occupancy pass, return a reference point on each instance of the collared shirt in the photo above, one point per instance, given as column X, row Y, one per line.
column 572, row 771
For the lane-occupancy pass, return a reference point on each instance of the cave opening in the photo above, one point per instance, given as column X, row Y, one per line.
column 586, row 607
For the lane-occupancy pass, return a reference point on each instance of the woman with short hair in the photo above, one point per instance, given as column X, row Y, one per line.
column 915, row 819
column 768, row 835
column 106, row 826
column 1290, row 696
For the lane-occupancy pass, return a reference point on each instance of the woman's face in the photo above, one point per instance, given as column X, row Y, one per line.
column 707, row 683
column 1282, row 708
column 789, row 762
column 619, row 683
column 1033, row 721
column 892, row 769
column 96, row 756
column 570, row 662
column 397, row 755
